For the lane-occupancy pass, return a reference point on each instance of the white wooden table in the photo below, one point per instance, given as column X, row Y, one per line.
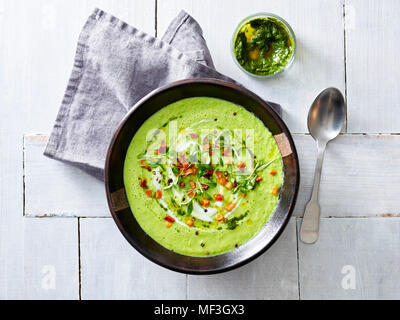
column 57, row 240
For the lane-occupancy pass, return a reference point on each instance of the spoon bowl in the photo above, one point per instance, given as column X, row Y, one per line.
column 327, row 115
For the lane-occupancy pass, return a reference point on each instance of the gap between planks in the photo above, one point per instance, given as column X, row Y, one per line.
column 381, row 215
column 155, row 18
column 79, row 260
column 297, row 257
column 23, row 176
column 345, row 61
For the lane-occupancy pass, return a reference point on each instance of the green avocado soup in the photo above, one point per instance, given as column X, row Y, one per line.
column 263, row 46
column 202, row 176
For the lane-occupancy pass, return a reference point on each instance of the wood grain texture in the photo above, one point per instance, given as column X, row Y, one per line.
column 111, row 268
column 37, row 49
column 319, row 63
column 51, row 267
column 11, row 224
column 264, row 278
column 53, row 188
column 32, row 250
column 369, row 249
column 359, row 175
column 373, row 93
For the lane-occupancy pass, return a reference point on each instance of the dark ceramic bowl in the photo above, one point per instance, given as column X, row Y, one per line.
column 118, row 203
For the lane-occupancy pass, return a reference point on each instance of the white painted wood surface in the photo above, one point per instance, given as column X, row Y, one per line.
column 112, row 269
column 318, row 25
column 38, row 258
column 373, row 91
column 51, row 259
column 368, row 249
column 263, row 278
column 53, row 188
column 11, row 224
column 360, row 176
column 38, row 45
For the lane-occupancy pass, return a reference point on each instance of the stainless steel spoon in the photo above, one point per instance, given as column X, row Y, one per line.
column 325, row 121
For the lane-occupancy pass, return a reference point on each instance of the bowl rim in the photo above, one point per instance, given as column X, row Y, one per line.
column 263, row 15
column 268, row 109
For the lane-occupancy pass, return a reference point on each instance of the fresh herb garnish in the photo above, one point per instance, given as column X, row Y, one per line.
column 190, row 208
column 202, row 169
column 232, row 223
column 175, row 170
column 207, row 196
column 155, row 165
column 211, row 184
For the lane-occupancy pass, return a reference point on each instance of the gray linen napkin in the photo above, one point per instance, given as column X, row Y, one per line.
column 115, row 66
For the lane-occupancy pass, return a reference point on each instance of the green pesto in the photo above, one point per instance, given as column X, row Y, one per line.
column 263, row 46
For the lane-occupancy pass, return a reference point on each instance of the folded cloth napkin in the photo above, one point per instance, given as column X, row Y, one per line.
column 115, row 66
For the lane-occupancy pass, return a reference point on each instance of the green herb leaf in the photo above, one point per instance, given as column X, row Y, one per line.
column 190, row 208
column 240, row 48
column 155, row 165
column 201, row 169
column 232, row 223
column 211, row 184
column 207, row 196
column 175, row 170
column 263, row 166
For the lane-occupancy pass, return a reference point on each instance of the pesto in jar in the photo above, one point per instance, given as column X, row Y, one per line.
column 263, row 46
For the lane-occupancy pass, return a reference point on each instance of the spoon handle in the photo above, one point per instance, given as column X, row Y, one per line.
column 310, row 226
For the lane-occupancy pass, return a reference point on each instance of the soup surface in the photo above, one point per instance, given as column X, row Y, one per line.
column 202, row 176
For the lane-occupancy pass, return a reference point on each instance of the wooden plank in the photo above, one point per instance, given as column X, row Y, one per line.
column 111, row 268
column 53, row 188
column 364, row 183
column 373, row 93
column 318, row 26
column 38, row 45
column 51, row 266
column 359, row 176
column 11, row 226
column 353, row 259
column 264, row 278
column 38, row 258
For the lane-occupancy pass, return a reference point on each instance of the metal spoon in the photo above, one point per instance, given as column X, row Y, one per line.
column 325, row 121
